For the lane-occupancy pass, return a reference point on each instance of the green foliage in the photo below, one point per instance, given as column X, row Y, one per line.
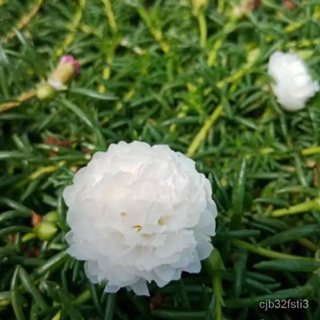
column 161, row 72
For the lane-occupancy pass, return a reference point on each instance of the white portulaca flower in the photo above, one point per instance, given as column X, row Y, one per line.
column 293, row 84
column 139, row 213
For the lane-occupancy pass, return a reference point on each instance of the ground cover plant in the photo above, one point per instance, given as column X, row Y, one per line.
column 189, row 74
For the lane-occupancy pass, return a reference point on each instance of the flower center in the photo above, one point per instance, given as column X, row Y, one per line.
column 137, row 226
column 161, row 221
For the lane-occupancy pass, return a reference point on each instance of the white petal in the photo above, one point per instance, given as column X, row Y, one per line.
column 140, row 288
column 193, row 267
column 165, row 272
column 204, row 249
column 111, row 289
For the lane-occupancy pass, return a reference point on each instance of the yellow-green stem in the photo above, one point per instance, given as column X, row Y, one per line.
column 203, row 28
column 110, row 16
column 310, row 151
column 22, row 98
column 220, row 6
column 266, row 252
column 204, row 130
column 57, row 316
column 24, row 20
column 217, row 289
column 156, row 32
column 308, row 244
column 72, row 27
column 83, row 297
column 44, row 170
column 298, row 208
column 9, row 105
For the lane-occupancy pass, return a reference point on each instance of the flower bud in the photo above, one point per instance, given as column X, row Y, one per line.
column 67, row 69
column 45, row 91
column 45, row 230
column 51, row 216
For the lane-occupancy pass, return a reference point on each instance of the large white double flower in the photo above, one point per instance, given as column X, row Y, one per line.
column 139, row 213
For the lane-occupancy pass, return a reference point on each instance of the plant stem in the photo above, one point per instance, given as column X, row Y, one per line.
column 73, row 26
column 24, row 20
column 298, row 208
column 110, row 15
column 266, row 252
column 83, row 297
column 204, row 130
column 203, row 28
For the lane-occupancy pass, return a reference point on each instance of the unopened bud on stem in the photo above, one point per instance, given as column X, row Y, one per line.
column 45, row 91
column 45, row 230
column 67, row 69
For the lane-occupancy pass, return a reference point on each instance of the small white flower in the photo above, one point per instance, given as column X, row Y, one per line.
column 293, row 84
column 139, row 213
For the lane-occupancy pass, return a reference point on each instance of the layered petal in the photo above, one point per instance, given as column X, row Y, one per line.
column 138, row 214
